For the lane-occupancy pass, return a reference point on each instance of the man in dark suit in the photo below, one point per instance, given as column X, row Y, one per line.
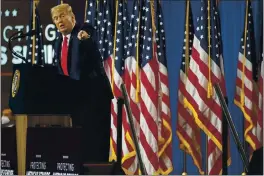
column 78, row 57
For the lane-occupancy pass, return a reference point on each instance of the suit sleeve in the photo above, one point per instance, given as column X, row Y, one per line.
column 92, row 61
column 90, row 31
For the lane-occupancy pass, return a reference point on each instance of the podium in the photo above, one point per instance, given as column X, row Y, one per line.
column 40, row 91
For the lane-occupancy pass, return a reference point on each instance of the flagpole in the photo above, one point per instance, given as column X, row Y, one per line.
column 35, row 3
column 85, row 10
column 244, row 144
column 137, row 71
column 137, row 59
column 114, row 49
column 187, row 22
column 97, row 4
column 209, row 86
column 206, row 155
column 224, row 144
column 187, row 55
column 184, row 163
column 242, row 96
column 152, row 6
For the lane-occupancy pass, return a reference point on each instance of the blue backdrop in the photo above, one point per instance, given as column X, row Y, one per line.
column 232, row 24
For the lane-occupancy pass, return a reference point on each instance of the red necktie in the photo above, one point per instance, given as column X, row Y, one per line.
column 64, row 56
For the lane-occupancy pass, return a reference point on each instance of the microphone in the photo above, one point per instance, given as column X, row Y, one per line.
column 30, row 33
column 19, row 34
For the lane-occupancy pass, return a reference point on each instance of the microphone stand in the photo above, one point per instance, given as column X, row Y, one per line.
column 18, row 35
column 232, row 127
column 131, row 123
column 13, row 37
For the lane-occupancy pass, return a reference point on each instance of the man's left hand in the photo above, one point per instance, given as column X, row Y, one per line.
column 82, row 35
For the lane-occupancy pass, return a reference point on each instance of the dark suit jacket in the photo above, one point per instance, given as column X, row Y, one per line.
column 94, row 97
column 84, row 62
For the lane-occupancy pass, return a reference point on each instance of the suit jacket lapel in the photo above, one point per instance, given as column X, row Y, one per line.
column 73, row 54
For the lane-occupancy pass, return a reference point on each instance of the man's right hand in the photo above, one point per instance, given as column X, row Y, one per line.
column 82, row 35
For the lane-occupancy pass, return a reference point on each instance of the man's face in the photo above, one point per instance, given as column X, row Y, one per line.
column 63, row 21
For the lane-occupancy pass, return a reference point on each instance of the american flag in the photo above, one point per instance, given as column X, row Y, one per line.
column 213, row 153
column 131, row 79
column 260, row 95
column 257, row 129
column 103, row 24
column 99, row 15
column 187, row 130
column 104, row 29
column 132, row 67
column 94, row 17
column 149, row 92
column 35, row 43
column 206, row 69
column 245, row 97
column 165, row 131
column 120, row 48
column 91, row 13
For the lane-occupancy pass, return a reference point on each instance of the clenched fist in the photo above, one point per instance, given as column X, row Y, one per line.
column 82, row 35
